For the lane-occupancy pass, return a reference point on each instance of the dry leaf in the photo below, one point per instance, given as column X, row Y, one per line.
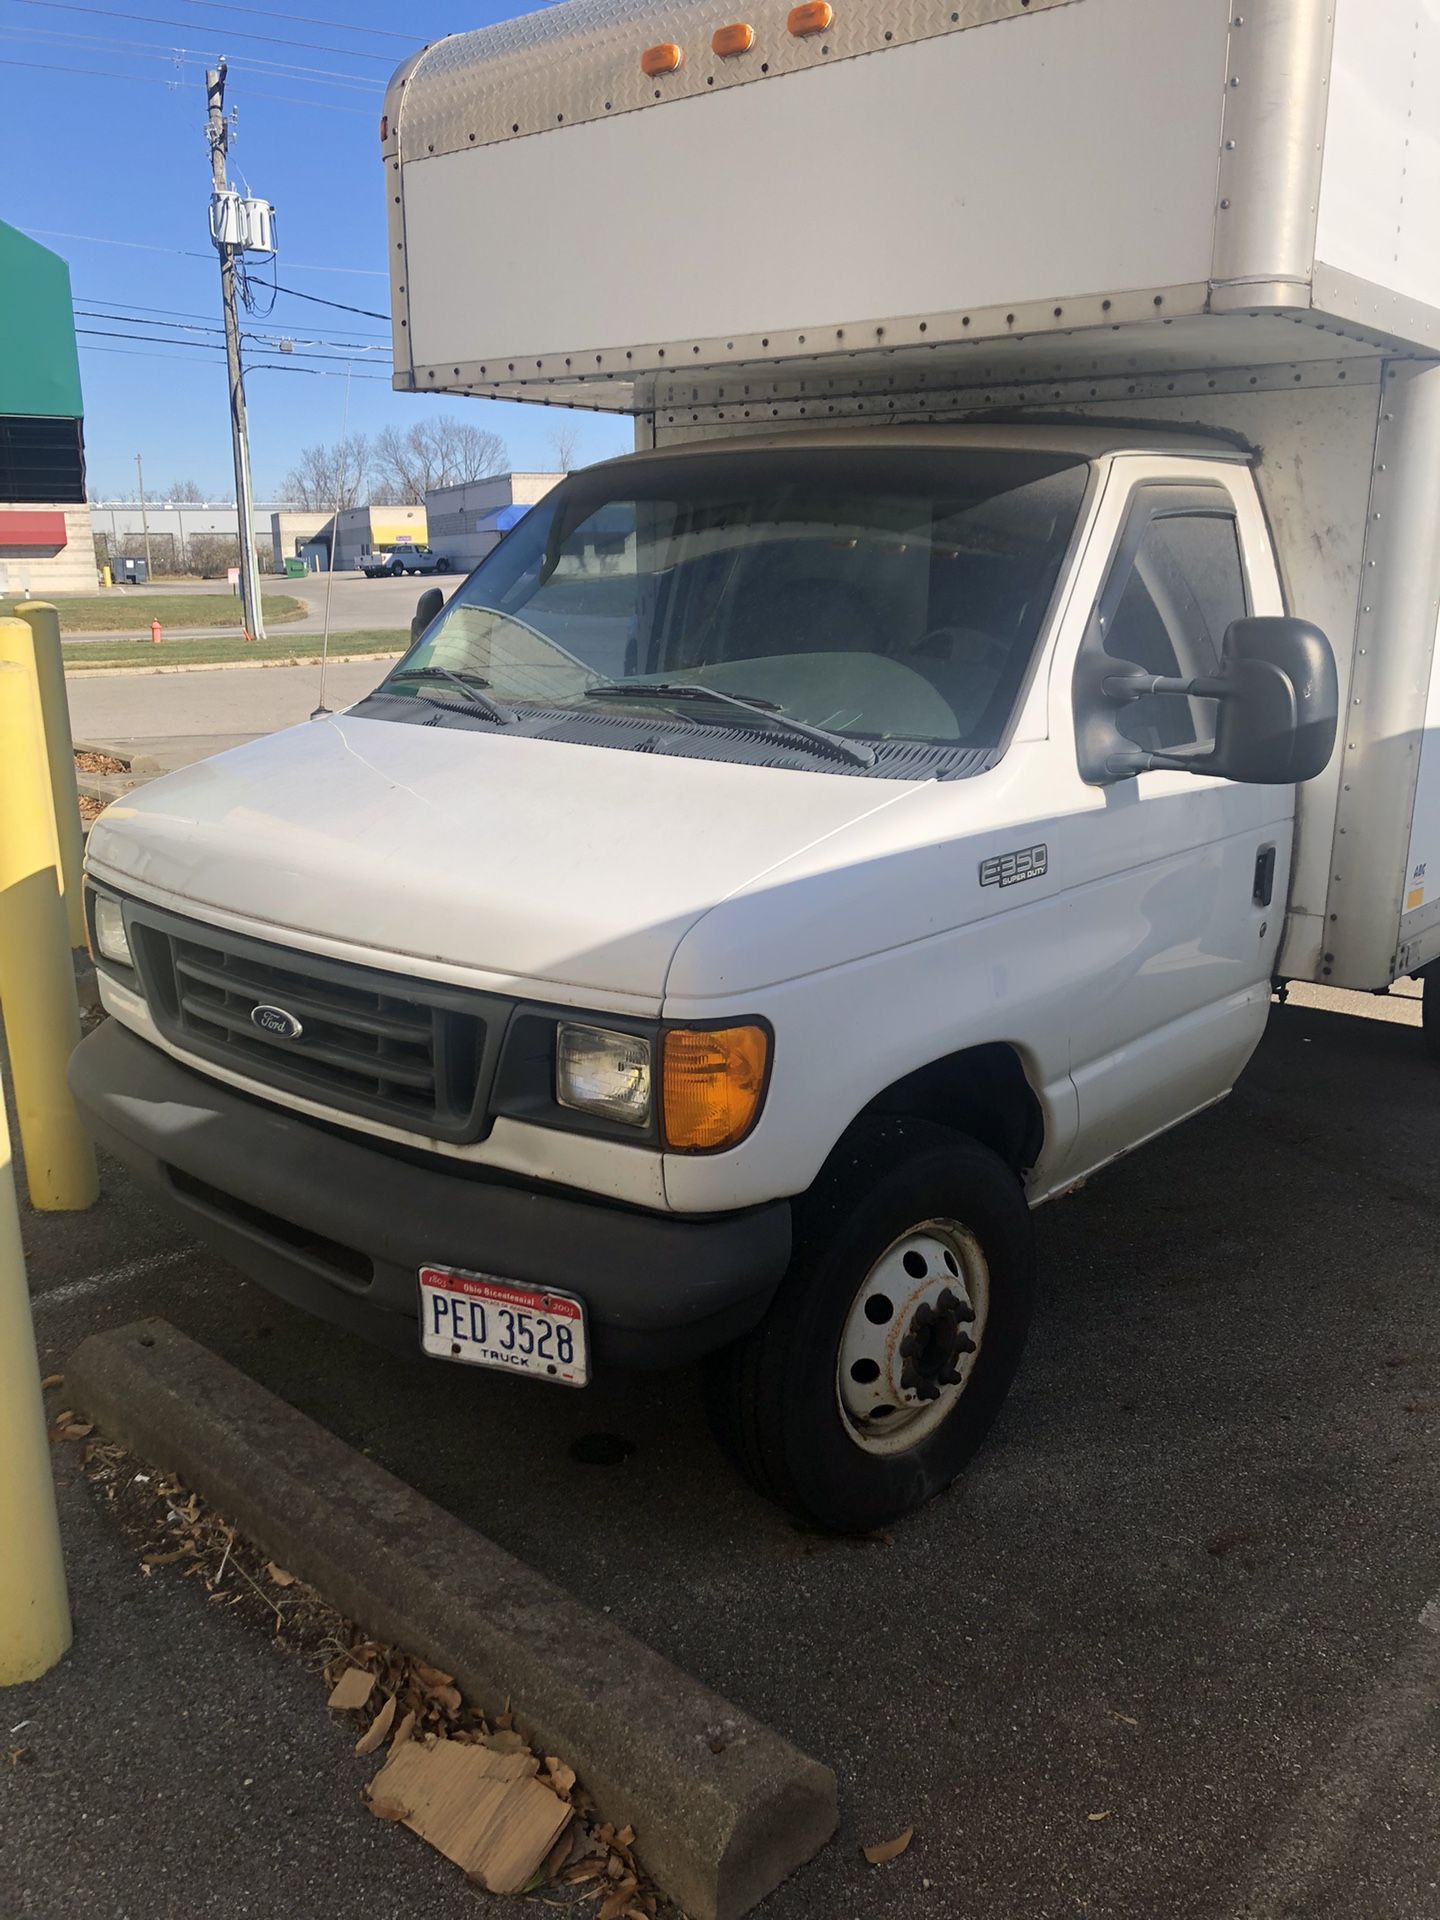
column 506, row 1742
column 560, row 1777
column 77, row 1429
column 279, row 1575
column 377, row 1729
column 403, row 1731
column 431, row 1676
column 351, row 1690
column 619, row 1899
column 167, row 1559
column 52, row 1380
column 884, row 1850
column 1099, row 1816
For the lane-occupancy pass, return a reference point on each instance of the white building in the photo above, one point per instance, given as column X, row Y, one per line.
column 469, row 520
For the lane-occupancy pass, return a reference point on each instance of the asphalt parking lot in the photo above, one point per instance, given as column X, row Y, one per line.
column 1171, row 1650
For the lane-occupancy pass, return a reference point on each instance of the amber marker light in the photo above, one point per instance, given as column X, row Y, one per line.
column 384, row 128
column 816, row 18
column 712, row 1084
column 666, row 58
column 728, row 41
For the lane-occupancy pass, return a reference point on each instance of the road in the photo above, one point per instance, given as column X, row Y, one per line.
column 1160, row 1655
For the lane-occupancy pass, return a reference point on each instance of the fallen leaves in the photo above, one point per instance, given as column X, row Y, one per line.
column 884, row 1850
column 375, row 1733
column 52, row 1380
column 421, row 1707
column 1092, row 1817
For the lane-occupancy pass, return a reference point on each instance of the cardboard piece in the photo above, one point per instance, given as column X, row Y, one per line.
column 352, row 1689
column 484, row 1810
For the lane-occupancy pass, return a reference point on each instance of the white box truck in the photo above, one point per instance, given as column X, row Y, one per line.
column 813, row 841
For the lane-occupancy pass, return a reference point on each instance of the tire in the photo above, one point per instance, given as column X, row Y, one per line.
column 397, row 572
column 1430, row 1012
column 442, row 566
column 777, row 1398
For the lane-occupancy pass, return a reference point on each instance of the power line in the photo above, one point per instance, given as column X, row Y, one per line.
column 177, row 56
column 201, row 326
column 175, row 86
column 204, row 346
column 188, row 253
column 308, row 20
column 264, row 366
column 316, row 300
column 157, row 20
column 185, row 313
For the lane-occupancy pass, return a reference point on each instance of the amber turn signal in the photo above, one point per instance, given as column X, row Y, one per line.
column 712, row 1084
column 817, row 18
column 666, row 58
column 728, row 41
column 384, row 128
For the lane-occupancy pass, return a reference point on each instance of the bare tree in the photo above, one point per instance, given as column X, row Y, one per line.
column 183, row 493
column 326, row 477
column 564, row 439
column 441, row 452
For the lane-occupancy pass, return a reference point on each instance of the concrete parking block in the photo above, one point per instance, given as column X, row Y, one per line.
column 724, row 1808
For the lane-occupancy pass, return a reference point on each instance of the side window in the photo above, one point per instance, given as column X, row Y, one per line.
column 1185, row 587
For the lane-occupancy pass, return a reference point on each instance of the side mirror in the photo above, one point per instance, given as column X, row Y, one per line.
column 426, row 608
column 1279, row 708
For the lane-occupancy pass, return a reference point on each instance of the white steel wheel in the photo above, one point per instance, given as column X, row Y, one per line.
column 912, row 1337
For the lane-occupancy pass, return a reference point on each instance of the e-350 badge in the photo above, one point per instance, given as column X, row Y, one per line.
column 1009, row 869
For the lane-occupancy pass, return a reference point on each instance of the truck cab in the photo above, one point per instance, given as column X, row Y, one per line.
column 714, row 896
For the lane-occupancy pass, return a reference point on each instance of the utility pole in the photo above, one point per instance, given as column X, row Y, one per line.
column 218, row 134
column 144, row 523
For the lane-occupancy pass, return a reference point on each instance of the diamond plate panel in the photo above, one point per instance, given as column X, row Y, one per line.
column 581, row 61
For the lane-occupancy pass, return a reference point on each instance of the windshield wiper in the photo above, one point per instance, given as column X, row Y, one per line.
column 852, row 750
column 470, row 685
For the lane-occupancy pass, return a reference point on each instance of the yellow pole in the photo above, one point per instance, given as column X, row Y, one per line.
column 44, row 624
column 34, row 1608
column 37, row 979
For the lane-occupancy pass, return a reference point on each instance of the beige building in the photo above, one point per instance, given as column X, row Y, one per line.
column 292, row 529
column 470, row 520
column 362, row 530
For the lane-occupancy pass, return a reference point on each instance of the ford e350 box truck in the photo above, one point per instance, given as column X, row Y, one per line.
column 813, row 841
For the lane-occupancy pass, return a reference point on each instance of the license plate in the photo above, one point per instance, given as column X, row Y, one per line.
column 492, row 1323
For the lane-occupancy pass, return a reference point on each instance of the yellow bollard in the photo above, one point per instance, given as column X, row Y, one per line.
column 44, row 624
column 37, row 978
column 34, row 1609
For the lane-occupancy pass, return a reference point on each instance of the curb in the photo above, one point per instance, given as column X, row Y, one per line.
column 74, row 671
column 718, row 1830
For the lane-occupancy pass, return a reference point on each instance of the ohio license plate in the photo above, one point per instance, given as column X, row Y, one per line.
column 483, row 1322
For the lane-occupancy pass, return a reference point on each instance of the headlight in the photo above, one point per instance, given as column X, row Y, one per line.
column 110, row 935
column 601, row 1072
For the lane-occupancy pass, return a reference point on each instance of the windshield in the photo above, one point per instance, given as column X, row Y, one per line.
column 877, row 593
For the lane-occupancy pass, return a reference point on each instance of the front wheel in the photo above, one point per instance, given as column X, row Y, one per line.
column 442, row 566
column 397, row 572
column 893, row 1339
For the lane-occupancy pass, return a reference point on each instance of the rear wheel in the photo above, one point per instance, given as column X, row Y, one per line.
column 396, row 570
column 894, row 1336
column 442, row 566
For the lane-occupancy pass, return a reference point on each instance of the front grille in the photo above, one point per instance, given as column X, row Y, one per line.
column 410, row 1052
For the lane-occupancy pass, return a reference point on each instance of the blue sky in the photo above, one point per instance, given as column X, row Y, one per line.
column 102, row 110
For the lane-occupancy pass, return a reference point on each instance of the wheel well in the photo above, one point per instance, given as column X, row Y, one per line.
column 982, row 1092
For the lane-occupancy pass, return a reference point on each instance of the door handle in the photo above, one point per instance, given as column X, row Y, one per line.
column 1264, row 891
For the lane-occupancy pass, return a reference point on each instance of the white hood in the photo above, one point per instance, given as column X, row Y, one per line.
column 537, row 862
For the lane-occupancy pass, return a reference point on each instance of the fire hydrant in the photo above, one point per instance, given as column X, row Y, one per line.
column 155, row 633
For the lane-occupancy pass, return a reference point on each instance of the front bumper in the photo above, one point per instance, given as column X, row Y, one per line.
column 340, row 1226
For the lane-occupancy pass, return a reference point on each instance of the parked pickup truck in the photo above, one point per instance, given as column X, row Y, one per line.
column 391, row 562
column 810, row 843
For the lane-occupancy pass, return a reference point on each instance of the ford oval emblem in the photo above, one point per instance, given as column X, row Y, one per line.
column 276, row 1020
